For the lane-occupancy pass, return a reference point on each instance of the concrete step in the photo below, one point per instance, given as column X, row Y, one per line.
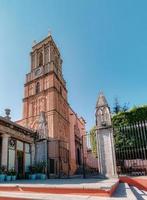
column 139, row 182
column 139, row 194
column 124, row 192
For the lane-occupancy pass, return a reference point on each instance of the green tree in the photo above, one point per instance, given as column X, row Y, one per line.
column 131, row 116
column 124, row 119
column 116, row 107
column 93, row 140
column 125, row 107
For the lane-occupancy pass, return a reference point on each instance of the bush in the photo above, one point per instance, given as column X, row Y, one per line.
column 38, row 167
column 134, row 115
column 3, row 170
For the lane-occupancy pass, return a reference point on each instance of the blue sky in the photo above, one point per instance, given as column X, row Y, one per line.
column 103, row 44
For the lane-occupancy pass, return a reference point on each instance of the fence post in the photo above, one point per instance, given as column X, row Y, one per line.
column 48, row 172
column 59, row 159
column 84, row 175
column 68, row 164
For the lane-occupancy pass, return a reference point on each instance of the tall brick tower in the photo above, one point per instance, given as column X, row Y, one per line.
column 45, row 91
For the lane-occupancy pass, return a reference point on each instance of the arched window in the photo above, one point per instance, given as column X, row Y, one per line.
column 40, row 59
column 100, row 115
column 37, row 87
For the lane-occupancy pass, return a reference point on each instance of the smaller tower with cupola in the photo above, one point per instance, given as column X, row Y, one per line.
column 104, row 137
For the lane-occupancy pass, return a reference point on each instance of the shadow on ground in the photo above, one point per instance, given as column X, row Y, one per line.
column 121, row 191
column 59, row 181
column 139, row 194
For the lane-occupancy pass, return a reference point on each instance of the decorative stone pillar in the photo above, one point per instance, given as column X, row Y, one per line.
column 105, row 143
column 4, row 155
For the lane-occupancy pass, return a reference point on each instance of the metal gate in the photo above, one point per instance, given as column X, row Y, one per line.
column 131, row 149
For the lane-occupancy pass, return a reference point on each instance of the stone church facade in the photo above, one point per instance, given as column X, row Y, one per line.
column 50, row 130
column 45, row 94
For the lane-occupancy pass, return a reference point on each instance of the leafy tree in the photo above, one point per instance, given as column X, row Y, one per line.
column 125, row 107
column 124, row 136
column 117, row 107
column 131, row 116
column 93, row 140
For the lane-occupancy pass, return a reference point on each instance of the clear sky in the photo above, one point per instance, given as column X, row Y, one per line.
column 103, row 44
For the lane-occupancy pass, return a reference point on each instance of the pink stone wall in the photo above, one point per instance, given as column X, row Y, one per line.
column 74, row 120
column 92, row 160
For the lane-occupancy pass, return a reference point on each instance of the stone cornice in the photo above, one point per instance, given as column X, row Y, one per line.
column 16, row 134
column 44, row 93
column 12, row 126
column 45, row 41
column 44, row 75
column 48, row 112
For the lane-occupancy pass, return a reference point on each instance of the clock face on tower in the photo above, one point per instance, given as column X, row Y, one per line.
column 38, row 71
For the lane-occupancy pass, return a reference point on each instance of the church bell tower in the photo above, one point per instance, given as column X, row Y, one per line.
column 45, row 91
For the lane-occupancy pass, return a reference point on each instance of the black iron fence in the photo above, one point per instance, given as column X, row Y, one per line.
column 131, row 149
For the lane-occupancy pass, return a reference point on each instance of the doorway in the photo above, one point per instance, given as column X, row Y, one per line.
column 52, row 166
column 78, row 156
column 20, row 166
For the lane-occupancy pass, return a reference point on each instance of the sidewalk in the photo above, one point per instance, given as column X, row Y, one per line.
column 123, row 192
column 64, row 183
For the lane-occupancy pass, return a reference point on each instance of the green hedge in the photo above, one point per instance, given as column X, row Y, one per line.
column 134, row 115
column 121, row 119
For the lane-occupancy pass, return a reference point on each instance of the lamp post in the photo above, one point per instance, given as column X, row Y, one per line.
column 84, row 175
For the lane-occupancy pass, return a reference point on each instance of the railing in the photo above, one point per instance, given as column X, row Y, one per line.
column 42, row 70
column 131, row 149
